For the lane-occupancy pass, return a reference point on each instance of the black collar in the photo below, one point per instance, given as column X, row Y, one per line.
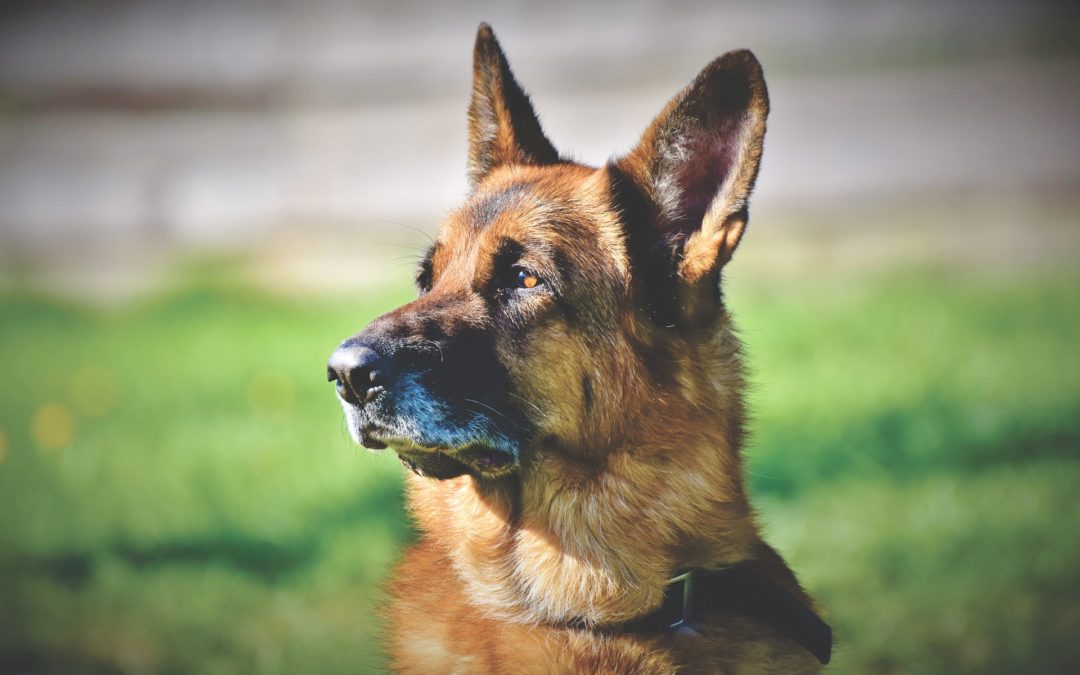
column 737, row 589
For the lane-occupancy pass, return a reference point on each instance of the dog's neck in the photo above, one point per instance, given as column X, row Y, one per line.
column 595, row 536
column 567, row 539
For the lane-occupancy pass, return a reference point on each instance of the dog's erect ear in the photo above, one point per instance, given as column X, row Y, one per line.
column 503, row 129
column 698, row 160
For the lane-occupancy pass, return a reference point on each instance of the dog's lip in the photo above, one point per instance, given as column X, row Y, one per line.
column 485, row 460
column 491, row 460
column 370, row 438
column 370, row 442
column 376, row 437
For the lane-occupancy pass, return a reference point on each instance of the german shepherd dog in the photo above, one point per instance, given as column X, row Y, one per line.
column 568, row 393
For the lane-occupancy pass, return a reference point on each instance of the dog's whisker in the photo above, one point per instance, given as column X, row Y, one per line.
column 528, row 402
column 426, row 234
column 485, row 405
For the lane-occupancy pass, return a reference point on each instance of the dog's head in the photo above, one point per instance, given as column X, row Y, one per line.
column 565, row 307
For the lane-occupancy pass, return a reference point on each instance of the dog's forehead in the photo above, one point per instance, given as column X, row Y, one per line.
column 566, row 205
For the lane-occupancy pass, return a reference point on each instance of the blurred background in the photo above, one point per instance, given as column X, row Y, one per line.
column 199, row 200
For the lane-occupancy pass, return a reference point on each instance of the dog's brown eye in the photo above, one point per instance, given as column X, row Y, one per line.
column 526, row 279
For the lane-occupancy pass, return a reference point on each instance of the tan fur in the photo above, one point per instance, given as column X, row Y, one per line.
column 629, row 478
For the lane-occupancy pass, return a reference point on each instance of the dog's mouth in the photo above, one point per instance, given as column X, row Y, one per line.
column 443, row 462
column 441, row 465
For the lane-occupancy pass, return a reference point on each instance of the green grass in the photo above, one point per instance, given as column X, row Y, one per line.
column 914, row 455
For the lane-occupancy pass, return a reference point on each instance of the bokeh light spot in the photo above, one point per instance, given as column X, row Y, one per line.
column 93, row 391
column 52, row 427
column 271, row 394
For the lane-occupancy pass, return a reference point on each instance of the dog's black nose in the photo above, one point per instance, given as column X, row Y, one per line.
column 360, row 372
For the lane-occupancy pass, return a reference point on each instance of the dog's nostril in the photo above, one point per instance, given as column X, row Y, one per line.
column 361, row 373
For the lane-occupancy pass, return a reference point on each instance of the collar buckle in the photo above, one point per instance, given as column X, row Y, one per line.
column 738, row 589
column 686, row 615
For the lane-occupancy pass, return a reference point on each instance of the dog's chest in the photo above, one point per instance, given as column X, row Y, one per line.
column 436, row 628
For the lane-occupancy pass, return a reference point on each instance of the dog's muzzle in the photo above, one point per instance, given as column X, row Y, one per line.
column 387, row 404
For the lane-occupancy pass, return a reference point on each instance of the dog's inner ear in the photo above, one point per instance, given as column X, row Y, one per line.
column 503, row 128
column 698, row 160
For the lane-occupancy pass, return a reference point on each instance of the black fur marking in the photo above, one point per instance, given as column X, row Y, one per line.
column 652, row 256
column 488, row 207
column 507, row 254
column 587, row 393
column 565, row 269
column 424, row 270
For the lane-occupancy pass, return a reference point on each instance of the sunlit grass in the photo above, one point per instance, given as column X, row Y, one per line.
column 177, row 491
column 948, row 573
column 909, row 374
